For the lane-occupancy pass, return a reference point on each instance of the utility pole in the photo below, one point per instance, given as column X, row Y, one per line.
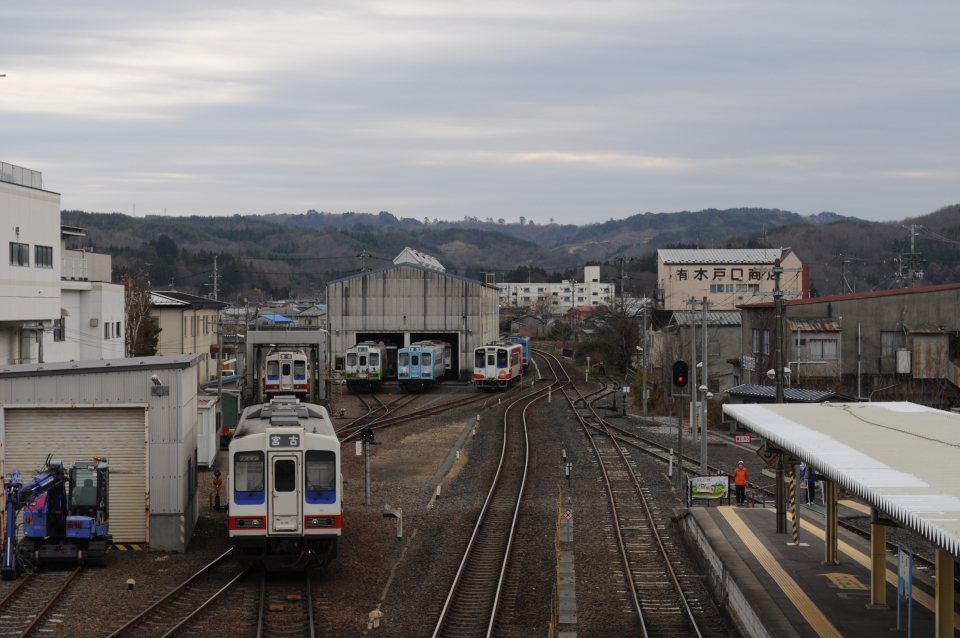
column 220, row 363
column 703, row 400
column 913, row 265
column 778, row 329
column 216, row 289
column 644, row 357
column 693, row 366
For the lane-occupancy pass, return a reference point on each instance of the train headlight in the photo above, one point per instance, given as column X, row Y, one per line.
column 255, row 523
column 316, row 521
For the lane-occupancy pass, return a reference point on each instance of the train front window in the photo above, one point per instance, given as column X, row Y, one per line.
column 351, row 359
column 414, row 360
column 286, row 369
column 299, row 370
column 426, row 358
column 404, row 359
column 491, row 359
column 248, row 467
column 284, row 475
column 374, row 358
column 501, row 358
column 273, row 370
column 363, row 359
column 479, row 358
column 321, row 471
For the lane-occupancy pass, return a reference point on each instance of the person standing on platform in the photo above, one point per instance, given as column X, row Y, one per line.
column 811, row 484
column 740, row 483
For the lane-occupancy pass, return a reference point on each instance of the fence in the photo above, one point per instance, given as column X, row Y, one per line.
column 20, row 175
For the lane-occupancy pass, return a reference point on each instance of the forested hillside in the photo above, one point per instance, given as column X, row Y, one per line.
column 294, row 255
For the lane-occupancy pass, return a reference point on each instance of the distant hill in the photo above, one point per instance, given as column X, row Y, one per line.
column 294, row 255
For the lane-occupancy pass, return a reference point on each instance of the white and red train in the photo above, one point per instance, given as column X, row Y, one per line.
column 497, row 365
column 286, row 492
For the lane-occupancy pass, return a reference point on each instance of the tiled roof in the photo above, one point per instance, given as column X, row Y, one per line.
column 181, row 299
column 813, row 325
column 721, row 255
column 792, row 395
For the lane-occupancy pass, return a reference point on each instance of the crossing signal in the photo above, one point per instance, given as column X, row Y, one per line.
column 680, row 374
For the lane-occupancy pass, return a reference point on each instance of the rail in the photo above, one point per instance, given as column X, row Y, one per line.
column 649, row 594
column 484, row 565
column 287, row 628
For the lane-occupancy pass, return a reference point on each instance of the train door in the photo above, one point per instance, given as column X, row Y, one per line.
column 286, row 372
column 286, row 493
column 415, row 364
column 491, row 369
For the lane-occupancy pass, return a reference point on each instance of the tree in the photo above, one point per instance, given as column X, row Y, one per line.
column 523, row 220
column 140, row 339
column 618, row 328
column 501, row 221
column 560, row 331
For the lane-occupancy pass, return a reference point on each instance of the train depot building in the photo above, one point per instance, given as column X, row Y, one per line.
column 405, row 303
column 140, row 413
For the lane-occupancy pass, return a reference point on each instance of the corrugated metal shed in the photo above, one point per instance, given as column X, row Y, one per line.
column 813, row 325
column 721, row 255
column 900, row 457
column 714, row 318
column 791, row 395
column 923, row 329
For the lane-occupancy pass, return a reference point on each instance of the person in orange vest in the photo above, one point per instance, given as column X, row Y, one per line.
column 740, row 483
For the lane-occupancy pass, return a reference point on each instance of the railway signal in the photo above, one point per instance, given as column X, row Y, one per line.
column 680, row 371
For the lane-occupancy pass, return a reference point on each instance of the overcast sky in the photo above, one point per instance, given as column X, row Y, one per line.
column 574, row 111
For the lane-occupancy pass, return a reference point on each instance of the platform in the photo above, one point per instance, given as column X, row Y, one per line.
column 774, row 589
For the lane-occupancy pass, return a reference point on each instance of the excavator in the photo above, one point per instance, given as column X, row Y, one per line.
column 59, row 524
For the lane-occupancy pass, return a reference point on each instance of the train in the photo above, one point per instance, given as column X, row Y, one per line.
column 368, row 364
column 497, row 365
column 523, row 341
column 286, row 493
column 422, row 365
column 286, row 371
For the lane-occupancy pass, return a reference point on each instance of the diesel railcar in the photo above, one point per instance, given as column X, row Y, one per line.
column 421, row 365
column 497, row 365
column 286, row 371
column 286, row 505
column 369, row 364
column 523, row 341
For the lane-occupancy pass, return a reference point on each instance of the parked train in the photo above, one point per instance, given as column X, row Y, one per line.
column 286, row 506
column 286, row 371
column 369, row 364
column 422, row 365
column 497, row 365
column 523, row 341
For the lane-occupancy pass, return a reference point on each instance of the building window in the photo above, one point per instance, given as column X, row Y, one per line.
column 720, row 288
column 755, row 341
column 823, row 349
column 766, row 342
column 106, row 329
column 595, row 294
column 58, row 330
column 713, row 385
column 19, row 254
column 750, row 288
column 43, row 256
column 713, row 349
column 891, row 341
column 117, row 333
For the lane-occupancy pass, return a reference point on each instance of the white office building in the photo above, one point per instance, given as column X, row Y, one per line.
column 560, row 297
column 55, row 304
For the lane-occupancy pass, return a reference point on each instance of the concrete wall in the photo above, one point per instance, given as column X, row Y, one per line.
column 98, row 267
column 408, row 300
column 29, row 293
column 873, row 315
column 80, row 303
column 680, row 282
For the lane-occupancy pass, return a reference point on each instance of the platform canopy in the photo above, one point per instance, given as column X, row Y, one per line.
column 902, row 458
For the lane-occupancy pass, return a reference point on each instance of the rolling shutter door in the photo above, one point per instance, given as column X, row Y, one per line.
column 82, row 433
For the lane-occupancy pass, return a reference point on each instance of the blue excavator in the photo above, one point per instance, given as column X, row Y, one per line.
column 59, row 525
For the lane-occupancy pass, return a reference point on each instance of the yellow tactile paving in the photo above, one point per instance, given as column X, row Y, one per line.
column 797, row 596
column 860, row 507
column 919, row 595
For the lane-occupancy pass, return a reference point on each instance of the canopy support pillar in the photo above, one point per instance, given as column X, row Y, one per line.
column 878, row 566
column 830, row 492
column 944, row 597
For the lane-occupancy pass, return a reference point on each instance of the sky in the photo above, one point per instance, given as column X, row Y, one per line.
column 573, row 111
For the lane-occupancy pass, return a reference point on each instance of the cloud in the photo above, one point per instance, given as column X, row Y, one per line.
column 545, row 109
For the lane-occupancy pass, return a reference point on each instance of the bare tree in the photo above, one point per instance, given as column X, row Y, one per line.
column 136, row 310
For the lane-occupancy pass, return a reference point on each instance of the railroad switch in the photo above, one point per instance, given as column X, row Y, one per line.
column 375, row 617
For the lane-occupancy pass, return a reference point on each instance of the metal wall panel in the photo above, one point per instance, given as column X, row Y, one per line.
column 80, row 433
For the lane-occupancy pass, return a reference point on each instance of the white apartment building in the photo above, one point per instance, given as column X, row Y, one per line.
column 55, row 304
column 563, row 296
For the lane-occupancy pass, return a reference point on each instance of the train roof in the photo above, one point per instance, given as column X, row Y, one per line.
column 285, row 411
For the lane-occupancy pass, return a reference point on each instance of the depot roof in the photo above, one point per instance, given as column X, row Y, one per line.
column 900, row 457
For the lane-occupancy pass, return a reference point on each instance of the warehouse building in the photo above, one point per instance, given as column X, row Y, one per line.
column 405, row 303
column 140, row 413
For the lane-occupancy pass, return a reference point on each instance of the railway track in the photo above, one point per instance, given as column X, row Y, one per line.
column 286, row 606
column 23, row 609
column 386, row 422
column 186, row 603
column 658, row 588
column 471, row 606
